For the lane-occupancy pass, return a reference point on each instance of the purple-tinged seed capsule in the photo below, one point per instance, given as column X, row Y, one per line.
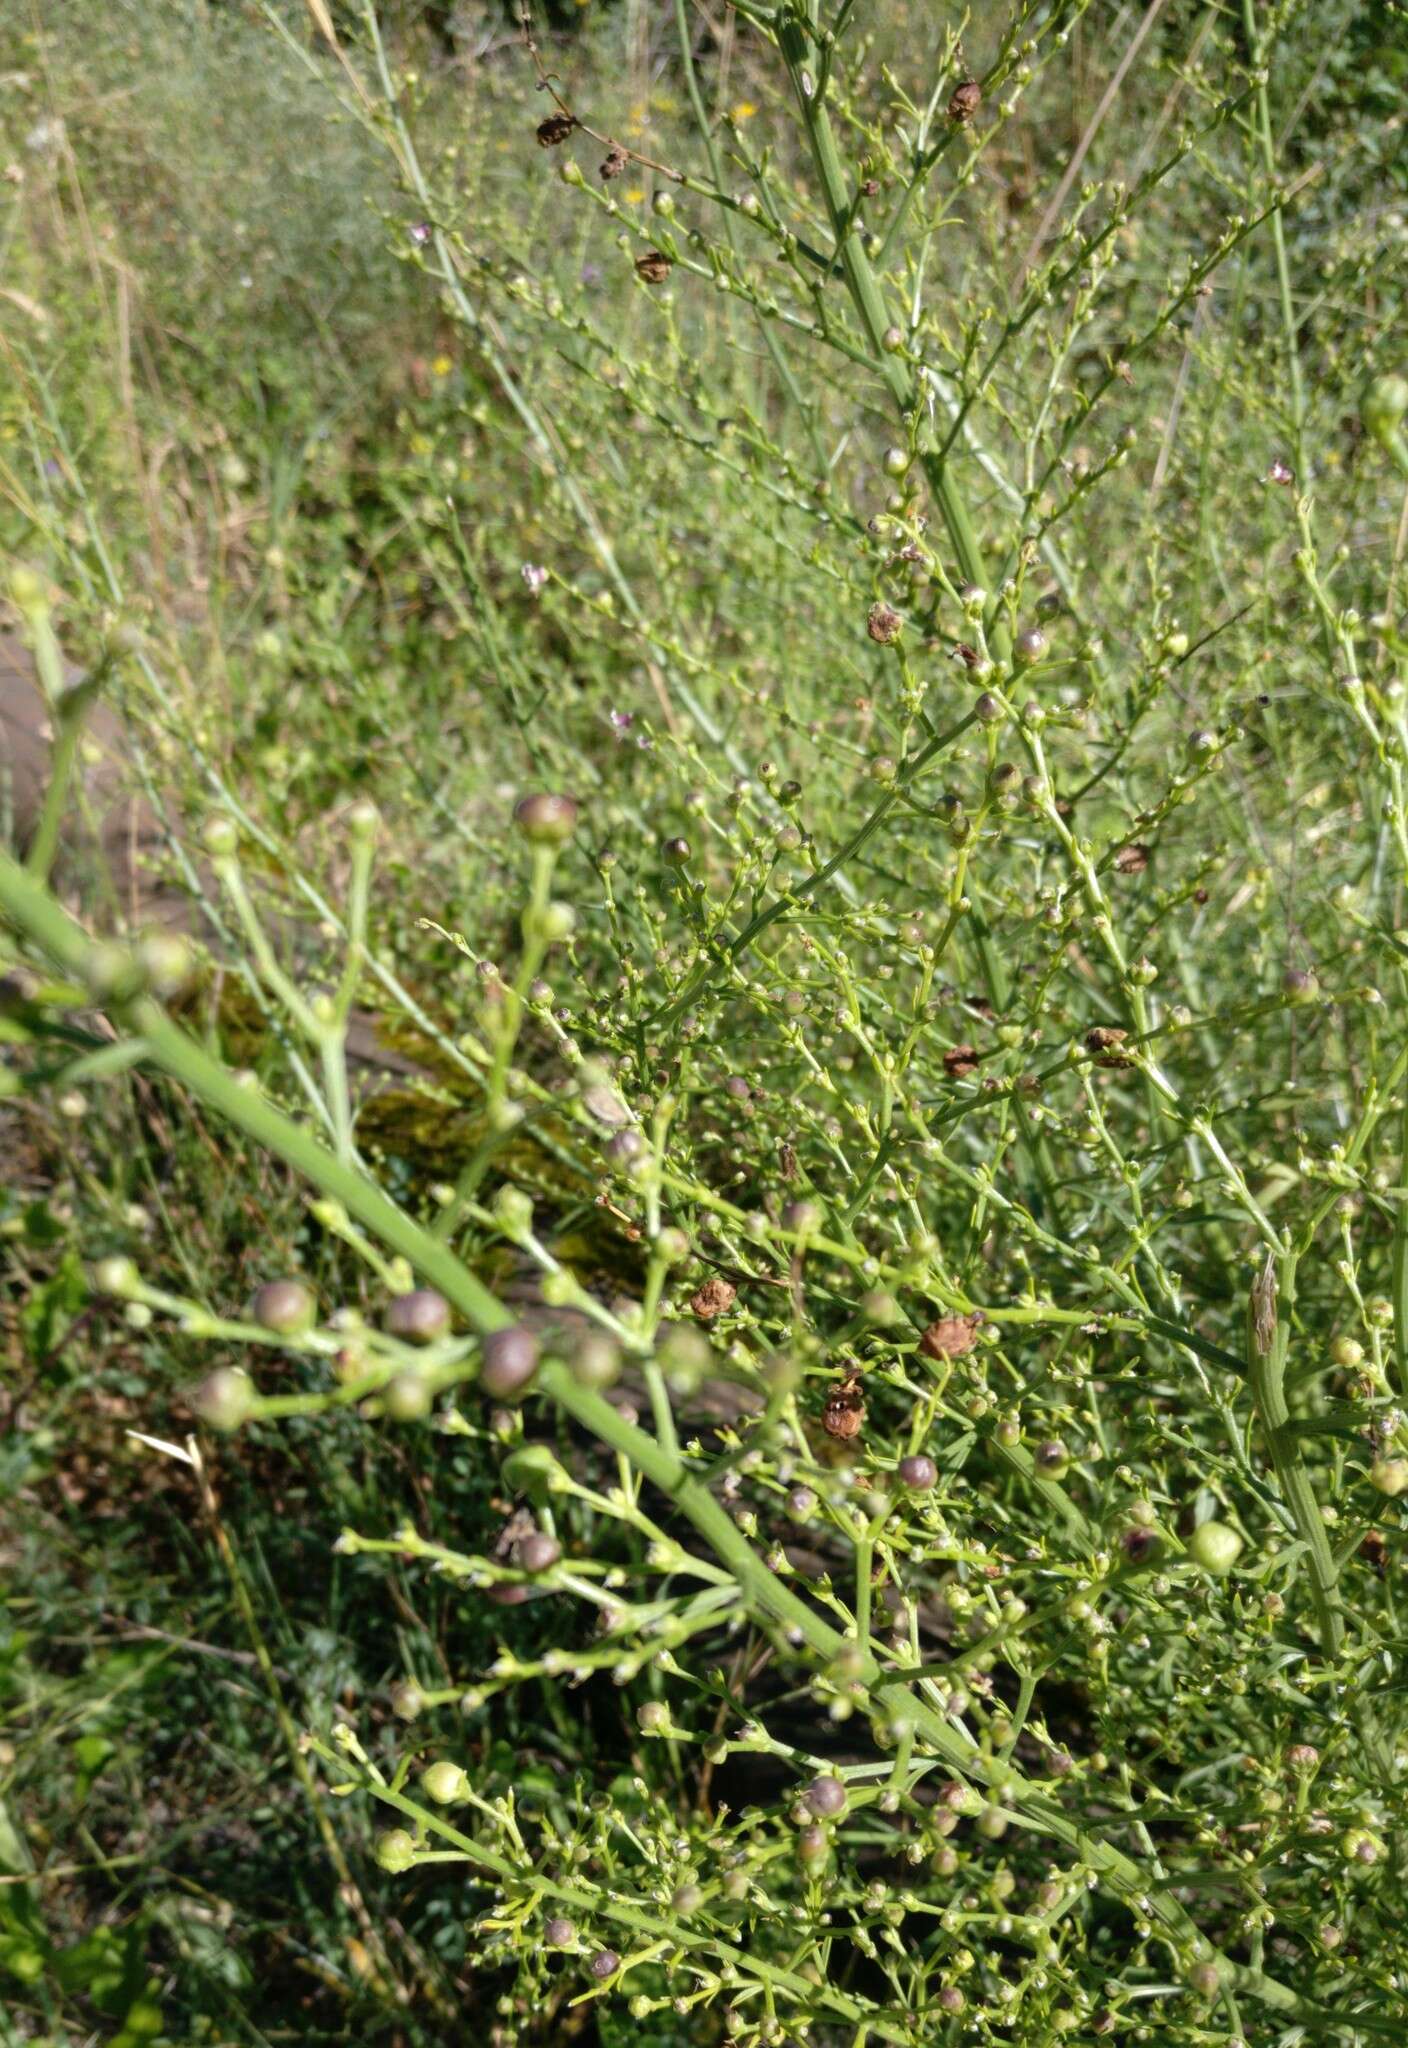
column 545, row 818
column 559, row 1931
column 812, row 1845
column 1029, row 647
column 918, row 1472
column 605, row 1963
column 539, row 1552
column 509, row 1362
column 286, row 1307
column 826, row 1797
column 419, row 1317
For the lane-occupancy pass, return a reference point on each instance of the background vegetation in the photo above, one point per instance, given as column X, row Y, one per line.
column 1031, row 956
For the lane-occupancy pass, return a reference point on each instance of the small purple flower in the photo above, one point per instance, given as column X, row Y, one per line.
column 620, row 722
column 591, row 273
column 420, row 232
column 535, row 576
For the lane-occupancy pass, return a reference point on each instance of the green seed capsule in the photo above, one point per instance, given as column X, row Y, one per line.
column 1389, row 1475
column 444, row 1783
column 407, row 1699
column 395, row 1850
column 1383, row 406
column 225, row 1399
column 116, row 1276
column 1215, row 1547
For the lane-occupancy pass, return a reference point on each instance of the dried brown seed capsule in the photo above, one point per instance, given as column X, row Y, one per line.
column 966, row 100
column 539, row 1552
column 1104, row 1041
column 554, row 130
column 510, row 1360
column 826, row 1797
column 951, row 1336
column 714, row 1298
column 419, row 1317
column 653, row 267
column 613, row 163
column 961, row 1060
column 545, row 818
column 1132, row 859
column 1374, row 1550
column 918, row 1472
column 884, row 624
column 844, row 1414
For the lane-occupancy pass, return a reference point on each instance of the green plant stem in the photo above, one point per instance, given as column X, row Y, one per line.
column 867, row 299
column 1266, row 1377
column 1400, row 1266
column 773, row 346
column 1262, row 116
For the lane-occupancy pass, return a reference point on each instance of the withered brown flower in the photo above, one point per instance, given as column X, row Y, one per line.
column 1104, row 1041
column 844, row 1414
column 951, row 1336
column 713, row 1298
